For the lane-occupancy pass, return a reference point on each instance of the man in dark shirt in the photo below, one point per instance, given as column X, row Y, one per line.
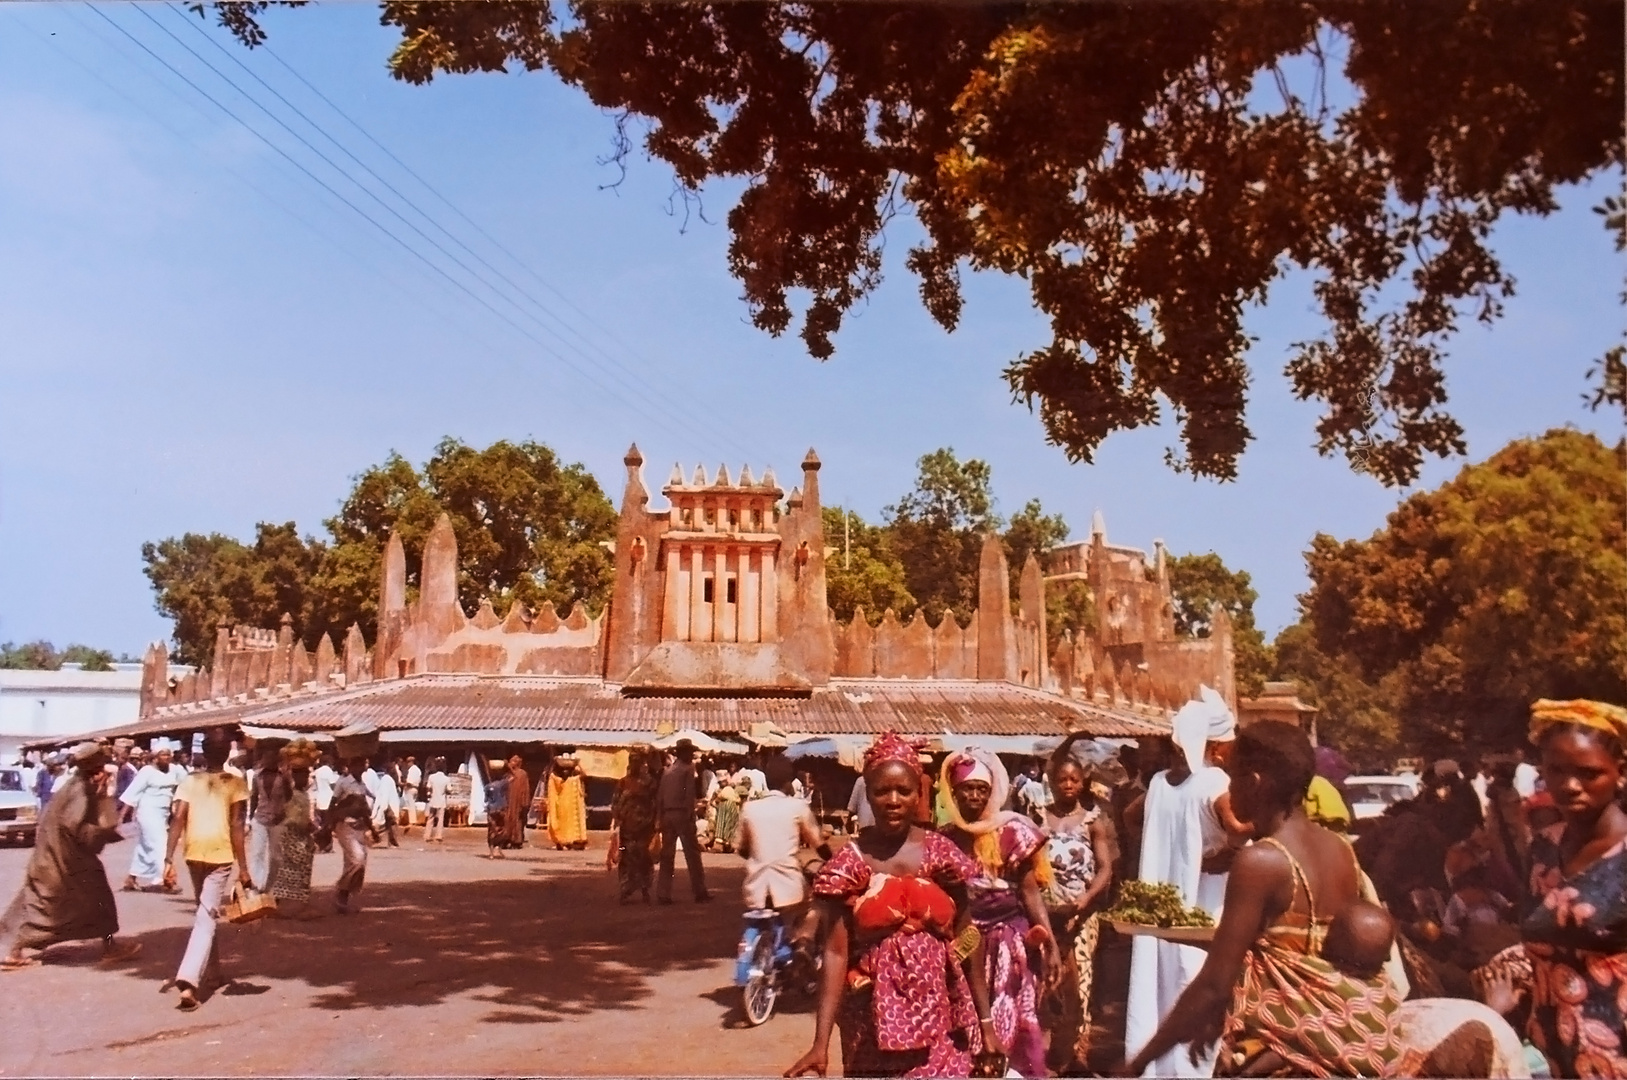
column 676, row 800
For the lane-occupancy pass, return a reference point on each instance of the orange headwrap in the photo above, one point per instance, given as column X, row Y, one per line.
column 1599, row 715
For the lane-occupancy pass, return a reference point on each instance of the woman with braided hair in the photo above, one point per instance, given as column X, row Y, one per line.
column 903, row 974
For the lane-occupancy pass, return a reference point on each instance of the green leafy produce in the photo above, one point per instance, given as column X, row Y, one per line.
column 1148, row 903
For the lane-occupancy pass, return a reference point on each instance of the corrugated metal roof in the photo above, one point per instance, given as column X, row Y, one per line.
column 543, row 704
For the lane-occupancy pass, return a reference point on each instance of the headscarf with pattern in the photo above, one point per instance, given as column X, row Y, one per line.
column 890, row 746
column 1599, row 715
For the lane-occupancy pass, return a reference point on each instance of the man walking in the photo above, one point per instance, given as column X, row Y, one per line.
column 677, row 799
column 207, row 821
column 267, row 811
column 66, row 895
column 351, row 818
column 412, row 778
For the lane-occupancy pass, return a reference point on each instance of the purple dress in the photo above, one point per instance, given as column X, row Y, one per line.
column 997, row 909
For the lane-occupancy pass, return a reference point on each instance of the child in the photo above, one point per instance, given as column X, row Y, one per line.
column 1357, row 944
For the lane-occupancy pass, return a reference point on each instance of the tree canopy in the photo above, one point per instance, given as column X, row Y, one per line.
column 1196, row 584
column 43, row 656
column 529, row 529
column 1500, row 587
column 1148, row 169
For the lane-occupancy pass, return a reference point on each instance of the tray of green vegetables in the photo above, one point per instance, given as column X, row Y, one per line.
column 1152, row 909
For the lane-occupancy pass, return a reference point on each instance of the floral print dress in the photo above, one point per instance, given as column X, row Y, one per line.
column 998, row 912
column 1576, row 941
column 908, row 1009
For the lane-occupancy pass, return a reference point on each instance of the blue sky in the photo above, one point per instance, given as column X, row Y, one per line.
column 197, row 337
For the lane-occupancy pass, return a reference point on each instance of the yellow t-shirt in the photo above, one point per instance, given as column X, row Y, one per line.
column 1322, row 802
column 209, row 799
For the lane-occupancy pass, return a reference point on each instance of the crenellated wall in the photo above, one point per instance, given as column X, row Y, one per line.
column 724, row 590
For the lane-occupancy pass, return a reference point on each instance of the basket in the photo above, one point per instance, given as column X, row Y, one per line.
column 1183, row 935
column 247, row 905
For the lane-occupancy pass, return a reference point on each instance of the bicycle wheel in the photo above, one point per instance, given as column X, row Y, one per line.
column 761, row 990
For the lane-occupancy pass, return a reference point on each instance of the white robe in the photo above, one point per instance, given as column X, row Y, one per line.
column 1172, row 850
column 150, row 794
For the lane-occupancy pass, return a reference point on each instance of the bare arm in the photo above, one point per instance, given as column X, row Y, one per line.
column 1256, row 880
column 1034, row 906
column 976, row 965
column 239, row 817
column 177, row 829
column 1105, row 846
column 817, row 1059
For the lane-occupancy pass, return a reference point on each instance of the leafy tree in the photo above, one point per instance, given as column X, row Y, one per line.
column 937, row 531
column 1149, row 169
column 1611, row 370
column 1196, row 584
column 200, row 580
column 1069, row 608
column 1031, row 532
column 862, row 570
column 528, row 529
column 1502, row 586
column 1355, row 715
column 43, row 656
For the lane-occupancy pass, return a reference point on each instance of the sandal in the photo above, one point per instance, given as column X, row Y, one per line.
column 187, row 1004
column 17, row 963
column 120, row 953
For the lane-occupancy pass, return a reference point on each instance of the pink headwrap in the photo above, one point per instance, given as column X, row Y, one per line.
column 890, row 746
column 975, row 763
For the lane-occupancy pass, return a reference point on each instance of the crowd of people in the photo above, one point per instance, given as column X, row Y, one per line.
column 1476, row 929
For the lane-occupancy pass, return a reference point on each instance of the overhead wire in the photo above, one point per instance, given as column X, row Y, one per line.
column 473, row 224
column 673, row 390
column 656, row 418
column 631, row 386
column 325, row 235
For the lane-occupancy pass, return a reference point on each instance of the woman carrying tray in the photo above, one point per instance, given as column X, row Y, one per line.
column 1266, row 988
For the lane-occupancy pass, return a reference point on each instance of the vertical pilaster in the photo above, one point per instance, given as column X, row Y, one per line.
column 770, row 599
column 722, row 617
column 675, row 616
column 700, row 613
column 750, row 591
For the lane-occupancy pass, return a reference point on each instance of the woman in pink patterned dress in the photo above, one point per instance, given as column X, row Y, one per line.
column 903, row 962
column 1007, row 907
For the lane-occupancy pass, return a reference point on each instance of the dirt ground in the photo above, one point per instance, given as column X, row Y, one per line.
column 455, row 966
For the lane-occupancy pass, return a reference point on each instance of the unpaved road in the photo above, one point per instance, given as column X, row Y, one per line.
column 455, row 966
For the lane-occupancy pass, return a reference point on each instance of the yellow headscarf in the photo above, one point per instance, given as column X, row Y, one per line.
column 1599, row 715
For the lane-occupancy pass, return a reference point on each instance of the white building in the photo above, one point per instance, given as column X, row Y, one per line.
column 60, row 704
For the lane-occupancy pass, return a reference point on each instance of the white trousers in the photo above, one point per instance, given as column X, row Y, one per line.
column 212, row 884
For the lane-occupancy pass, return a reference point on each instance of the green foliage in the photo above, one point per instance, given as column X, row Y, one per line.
column 862, row 570
column 1149, row 170
column 201, row 581
column 1355, row 715
column 43, row 656
column 1196, row 584
column 1500, row 587
column 1069, row 608
column 1031, row 532
column 1610, row 373
column 528, row 529
column 937, row 531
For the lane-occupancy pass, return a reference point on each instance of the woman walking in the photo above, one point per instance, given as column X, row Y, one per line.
column 1081, row 855
column 496, row 817
column 291, row 880
column 149, row 796
column 567, row 805
column 1006, row 905
column 903, row 975
column 632, row 825
column 1576, row 933
column 731, row 792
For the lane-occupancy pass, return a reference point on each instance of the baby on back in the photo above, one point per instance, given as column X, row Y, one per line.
column 1359, row 940
column 1358, row 945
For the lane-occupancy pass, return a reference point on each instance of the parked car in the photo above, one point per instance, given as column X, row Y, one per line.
column 18, row 812
column 1370, row 796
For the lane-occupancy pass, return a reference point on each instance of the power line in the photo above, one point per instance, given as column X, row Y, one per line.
column 657, row 418
column 325, row 235
column 632, row 387
column 488, row 237
column 636, row 386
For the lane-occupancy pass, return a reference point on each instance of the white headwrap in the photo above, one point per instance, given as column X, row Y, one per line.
column 992, row 771
column 1222, row 724
column 1201, row 722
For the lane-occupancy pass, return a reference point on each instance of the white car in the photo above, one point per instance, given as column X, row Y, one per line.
column 18, row 809
column 1370, row 796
